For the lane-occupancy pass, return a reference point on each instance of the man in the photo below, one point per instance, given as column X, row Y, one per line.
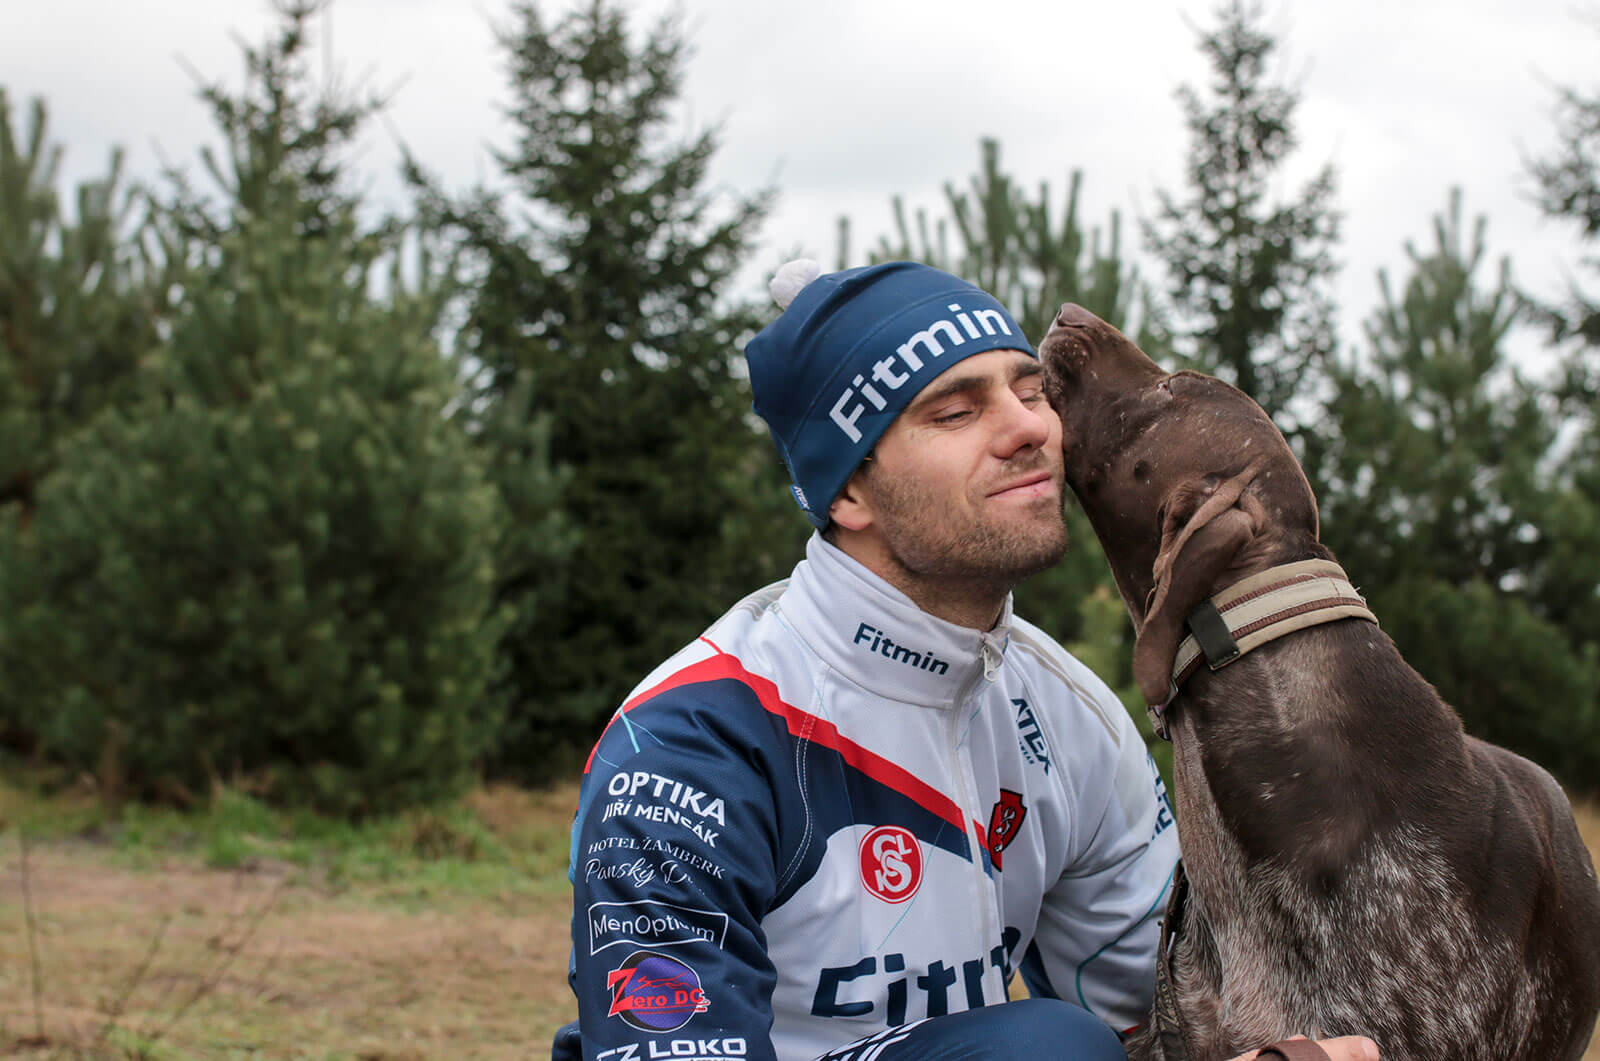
column 837, row 823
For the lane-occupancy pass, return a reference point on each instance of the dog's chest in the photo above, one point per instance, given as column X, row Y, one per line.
column 1388, row 950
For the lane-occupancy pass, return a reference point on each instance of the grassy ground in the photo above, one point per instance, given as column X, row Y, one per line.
column 247, row 933
column 244, row 933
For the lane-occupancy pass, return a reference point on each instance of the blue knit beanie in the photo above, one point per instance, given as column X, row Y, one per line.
column 850, row 351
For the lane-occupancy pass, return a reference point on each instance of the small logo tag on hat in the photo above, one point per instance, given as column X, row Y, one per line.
column 800, row 497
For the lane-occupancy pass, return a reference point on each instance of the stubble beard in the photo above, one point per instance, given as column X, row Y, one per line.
column 989, row 554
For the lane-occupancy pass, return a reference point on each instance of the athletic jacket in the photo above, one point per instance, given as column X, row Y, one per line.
column 833, row 814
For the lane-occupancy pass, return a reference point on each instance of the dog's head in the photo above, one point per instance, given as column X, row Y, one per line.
column 1187, row 482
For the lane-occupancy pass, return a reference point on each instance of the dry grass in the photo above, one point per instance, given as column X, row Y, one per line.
column 278, row 963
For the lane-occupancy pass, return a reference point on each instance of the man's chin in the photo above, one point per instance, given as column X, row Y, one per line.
column 1028, row 551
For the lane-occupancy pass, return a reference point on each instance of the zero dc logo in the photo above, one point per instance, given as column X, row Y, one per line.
column 891, row 863
column 655, row 993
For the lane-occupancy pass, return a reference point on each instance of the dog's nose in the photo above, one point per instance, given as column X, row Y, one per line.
column 1073, row 314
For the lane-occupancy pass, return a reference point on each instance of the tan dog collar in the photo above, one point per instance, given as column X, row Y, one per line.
column 1259, row 609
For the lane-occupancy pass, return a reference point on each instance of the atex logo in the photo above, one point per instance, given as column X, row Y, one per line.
column 652, row 924
column 891, row 863
column 932, row 341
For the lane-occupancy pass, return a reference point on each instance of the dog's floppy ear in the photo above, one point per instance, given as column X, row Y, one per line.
column 1202, row 531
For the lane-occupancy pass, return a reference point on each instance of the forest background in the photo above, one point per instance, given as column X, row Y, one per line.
column 314, row 506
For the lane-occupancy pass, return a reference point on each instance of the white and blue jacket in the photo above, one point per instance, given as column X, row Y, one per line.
column 834, row 813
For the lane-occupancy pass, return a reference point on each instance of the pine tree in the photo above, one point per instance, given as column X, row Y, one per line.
column 76, row 315
column 1248, row 277
column 1436, row 498
column 1014, row 248
column 275, row 565
column 601, row 317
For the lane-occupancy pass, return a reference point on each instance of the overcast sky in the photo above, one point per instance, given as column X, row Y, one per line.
column 841, row 104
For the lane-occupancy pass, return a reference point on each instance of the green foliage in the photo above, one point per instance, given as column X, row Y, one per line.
column 275, row 563
column 1013, row 247
column 74, row 303
column 1103, row 647
column 1429, row 464
column 75, row 318
column 1247, row 276
column 598, row 341
column 1569, row 189
column 1568, row 182
column 1516, row 679
column 1437, row 494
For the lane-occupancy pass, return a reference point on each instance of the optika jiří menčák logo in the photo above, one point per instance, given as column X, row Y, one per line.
column 655, row 992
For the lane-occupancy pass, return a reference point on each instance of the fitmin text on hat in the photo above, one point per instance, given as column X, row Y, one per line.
column 850, row 352
column 993, row 323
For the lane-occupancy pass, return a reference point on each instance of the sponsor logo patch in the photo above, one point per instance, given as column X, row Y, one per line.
column 1030, row 737
column 1004, row 822
column 891, row 863
column 678, row 1050
column 658, row 798
column 879, row 642
column 655, row 992
column 652, row 924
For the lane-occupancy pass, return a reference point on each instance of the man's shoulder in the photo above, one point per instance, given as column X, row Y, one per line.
column 1066, row 682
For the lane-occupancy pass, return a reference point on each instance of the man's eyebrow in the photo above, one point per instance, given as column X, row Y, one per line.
column 937, row 392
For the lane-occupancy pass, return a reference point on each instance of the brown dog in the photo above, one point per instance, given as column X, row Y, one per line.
column 1357, row 864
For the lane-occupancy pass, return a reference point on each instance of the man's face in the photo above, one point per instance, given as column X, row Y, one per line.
column 967, row 483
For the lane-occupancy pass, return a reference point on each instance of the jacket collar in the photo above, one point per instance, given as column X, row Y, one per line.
column 873, row 635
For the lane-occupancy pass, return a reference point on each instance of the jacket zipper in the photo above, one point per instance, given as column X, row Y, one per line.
column 987, row 895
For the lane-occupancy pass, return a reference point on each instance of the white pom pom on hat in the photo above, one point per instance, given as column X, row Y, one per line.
column 790, row 278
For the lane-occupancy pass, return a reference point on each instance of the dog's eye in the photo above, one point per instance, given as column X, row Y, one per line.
column 1165, row 388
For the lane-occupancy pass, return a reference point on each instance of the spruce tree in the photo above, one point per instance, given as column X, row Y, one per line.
column 600, row 316
column 273, row 567
column 1436, row 497
column 1248, row 277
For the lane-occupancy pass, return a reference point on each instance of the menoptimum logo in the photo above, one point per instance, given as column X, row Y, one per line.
column 933, row 341
column 652, row 924
column 883, row 646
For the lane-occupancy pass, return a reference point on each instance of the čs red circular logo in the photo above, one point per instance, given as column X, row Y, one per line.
column 891, row 863
column 655, row 993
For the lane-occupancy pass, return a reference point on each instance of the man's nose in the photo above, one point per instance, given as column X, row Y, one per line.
column 1024, row 425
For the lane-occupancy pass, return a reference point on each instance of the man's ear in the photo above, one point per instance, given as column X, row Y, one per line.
column 1202, row 532
column 852, row 509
